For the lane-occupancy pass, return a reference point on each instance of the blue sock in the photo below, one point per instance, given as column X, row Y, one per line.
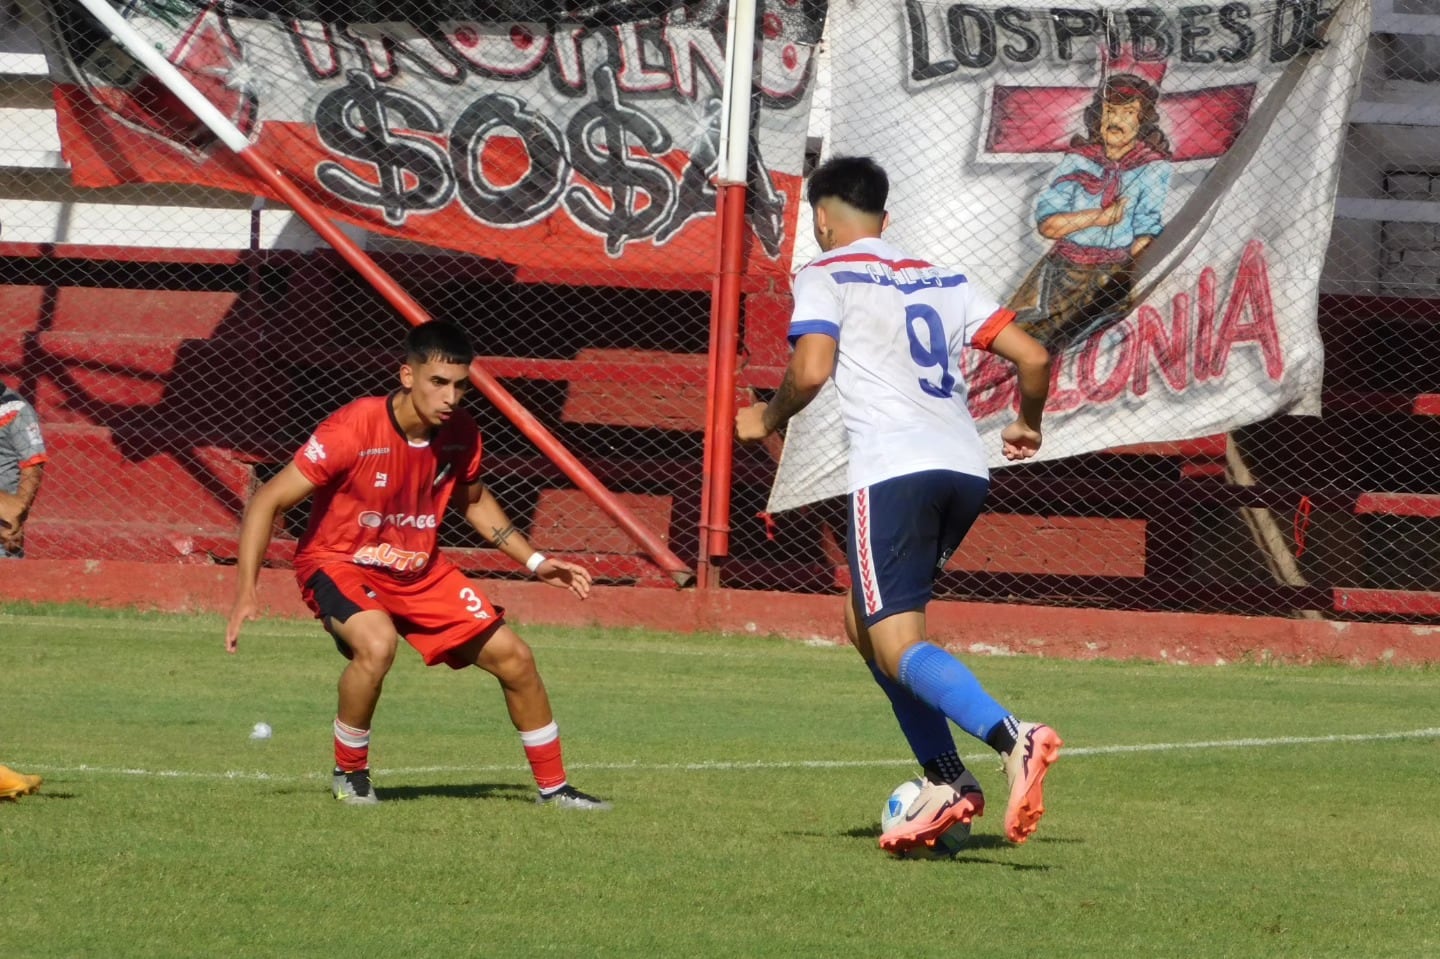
column 926, row 729
column 942, row 681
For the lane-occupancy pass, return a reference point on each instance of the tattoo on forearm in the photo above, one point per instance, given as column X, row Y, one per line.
column 785, row 404
column 501, row 535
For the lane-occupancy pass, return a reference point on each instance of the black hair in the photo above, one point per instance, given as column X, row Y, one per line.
column 439, row 341
column 859, row 182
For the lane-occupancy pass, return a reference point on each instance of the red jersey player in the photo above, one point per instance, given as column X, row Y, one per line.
column 381, row 471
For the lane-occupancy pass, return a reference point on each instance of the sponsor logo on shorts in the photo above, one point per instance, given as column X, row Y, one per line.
column 373, row 520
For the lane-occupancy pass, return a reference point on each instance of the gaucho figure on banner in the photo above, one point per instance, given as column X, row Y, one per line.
column 1102, row 207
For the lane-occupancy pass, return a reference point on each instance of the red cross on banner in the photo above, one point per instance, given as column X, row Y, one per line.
column 1200, row 124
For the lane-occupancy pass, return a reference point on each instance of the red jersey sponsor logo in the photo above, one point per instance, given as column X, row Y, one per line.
column 380, row 510
column 373, row 520
column 393, row 558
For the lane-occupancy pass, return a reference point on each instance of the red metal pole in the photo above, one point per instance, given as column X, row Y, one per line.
column 727, row 347
column 492, row 389
column 707, row 575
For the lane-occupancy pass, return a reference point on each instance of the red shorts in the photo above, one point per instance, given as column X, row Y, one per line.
column 436, row 614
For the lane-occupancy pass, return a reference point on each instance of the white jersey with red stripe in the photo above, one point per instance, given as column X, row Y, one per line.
column 900, row 323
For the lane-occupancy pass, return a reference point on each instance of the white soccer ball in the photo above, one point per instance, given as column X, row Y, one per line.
column 949, row 843
column 261, row 731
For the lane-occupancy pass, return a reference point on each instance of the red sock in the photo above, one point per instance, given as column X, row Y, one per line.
column 352, row 747
column 542, row 748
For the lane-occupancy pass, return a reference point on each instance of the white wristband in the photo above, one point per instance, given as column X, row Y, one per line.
column 533, row 563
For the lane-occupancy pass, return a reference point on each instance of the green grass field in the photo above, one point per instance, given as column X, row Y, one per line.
column 1244, row 810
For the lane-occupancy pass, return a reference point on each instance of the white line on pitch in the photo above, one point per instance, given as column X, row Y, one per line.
column 721, row 765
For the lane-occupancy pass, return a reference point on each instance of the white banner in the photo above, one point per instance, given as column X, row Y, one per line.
column 1151, row 188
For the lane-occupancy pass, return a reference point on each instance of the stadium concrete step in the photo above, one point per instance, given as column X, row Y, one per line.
column 637, row 388
column 568, row 521
column 138, row 478
column 152, row 387
column 51, row 538
column 48, row 536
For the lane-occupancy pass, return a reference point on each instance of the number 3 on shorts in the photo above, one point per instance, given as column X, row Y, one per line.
column 474, row 604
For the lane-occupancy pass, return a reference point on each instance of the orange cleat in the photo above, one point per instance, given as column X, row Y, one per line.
column 13, row 785
column 1036, row 747
column 934, row 812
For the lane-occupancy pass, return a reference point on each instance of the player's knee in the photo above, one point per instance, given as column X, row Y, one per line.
column 515, row 662
column 374, row 650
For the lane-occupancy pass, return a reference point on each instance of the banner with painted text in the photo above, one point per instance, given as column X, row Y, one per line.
column 1149, row 187
column 566, row 139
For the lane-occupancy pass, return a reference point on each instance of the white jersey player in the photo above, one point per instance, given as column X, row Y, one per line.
column 903, row 322
column 889, row 328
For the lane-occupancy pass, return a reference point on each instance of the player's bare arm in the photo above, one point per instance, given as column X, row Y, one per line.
column 812, row 363
column 1021, row 439
column 12, row 517
column 15, row 508
column 284, row 490
column 488, row 518
column 12, row 511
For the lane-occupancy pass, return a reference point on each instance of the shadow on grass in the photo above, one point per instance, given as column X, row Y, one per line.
column 40, row 796
column 507, row 792
column 978, row 842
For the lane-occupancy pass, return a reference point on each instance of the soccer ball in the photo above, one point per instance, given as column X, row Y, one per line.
column 949, row 843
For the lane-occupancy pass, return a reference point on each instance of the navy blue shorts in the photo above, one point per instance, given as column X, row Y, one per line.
column 902, row 532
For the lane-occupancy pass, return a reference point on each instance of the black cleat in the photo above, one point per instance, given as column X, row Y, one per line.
column 568, row 797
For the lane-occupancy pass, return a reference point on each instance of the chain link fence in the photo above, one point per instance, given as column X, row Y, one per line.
column 543, row 176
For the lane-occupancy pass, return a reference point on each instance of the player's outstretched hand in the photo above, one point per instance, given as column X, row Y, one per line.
column 565, row 575
column 244, row 609
column 1019, row 442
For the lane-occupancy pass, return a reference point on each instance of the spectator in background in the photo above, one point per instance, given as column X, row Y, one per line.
column 22, row 461
column 22, row 464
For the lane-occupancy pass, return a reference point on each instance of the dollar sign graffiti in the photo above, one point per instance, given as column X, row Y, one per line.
column 764, row 204
column 600, row 135
column 534, row 195
column 696, row 194
column 359, row 121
